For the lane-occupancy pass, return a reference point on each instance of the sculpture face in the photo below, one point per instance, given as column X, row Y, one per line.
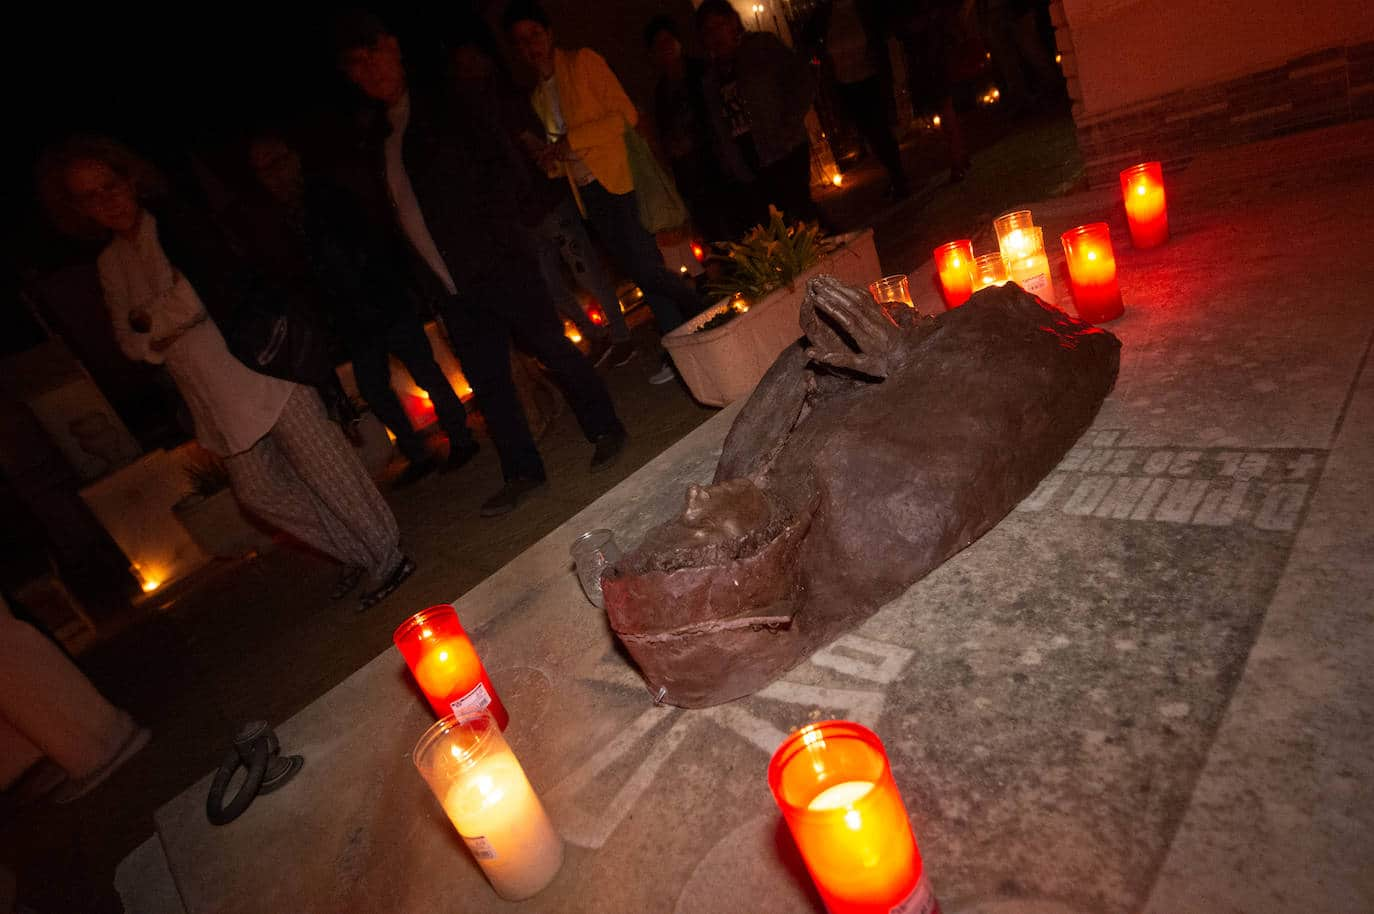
column 858, row 465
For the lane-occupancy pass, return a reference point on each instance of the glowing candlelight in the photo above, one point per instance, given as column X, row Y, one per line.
column 1142, row 190
column 1031, row 268
column 1013, row 237
column 834, row 786
column 1092, row 272
column 483, row 789
column 954, row 263
column 989, row 270
column 445, row 664
column 895, row 288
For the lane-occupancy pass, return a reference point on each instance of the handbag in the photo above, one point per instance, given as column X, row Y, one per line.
column 660, row 206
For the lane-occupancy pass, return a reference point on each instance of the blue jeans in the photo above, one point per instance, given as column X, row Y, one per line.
column 562, row 239
column 616, row 220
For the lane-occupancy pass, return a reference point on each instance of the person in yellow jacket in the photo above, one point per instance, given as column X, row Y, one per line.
column 585, row 113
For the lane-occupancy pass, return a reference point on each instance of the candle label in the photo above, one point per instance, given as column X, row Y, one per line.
column 475, row 700
column 920, row 901
column 481, row 848
column 1036, row 285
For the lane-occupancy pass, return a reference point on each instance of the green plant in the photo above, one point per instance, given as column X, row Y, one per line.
column 768, row 257
column 206, row 474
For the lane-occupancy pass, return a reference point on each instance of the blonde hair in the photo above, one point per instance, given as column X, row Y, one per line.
column 50, row 176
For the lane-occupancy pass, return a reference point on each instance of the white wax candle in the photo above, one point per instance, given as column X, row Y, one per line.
column 504, row 825
column 1033, row 274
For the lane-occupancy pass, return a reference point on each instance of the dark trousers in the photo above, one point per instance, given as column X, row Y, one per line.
column 865, row 103
column 372, row 370
column 786, row 184
column 616, row 220
column 482, row 322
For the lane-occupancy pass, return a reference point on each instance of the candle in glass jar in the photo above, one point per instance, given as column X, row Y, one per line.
column 834, row 786
column 989, row 270
column 954, row 263
column 1142, row 190
column 1031, row 268
column 1013, row 235
column 484, row 792
column 1092, row 272
column 445, row 664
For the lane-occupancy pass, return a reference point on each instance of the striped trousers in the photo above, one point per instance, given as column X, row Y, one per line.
column 304, row 478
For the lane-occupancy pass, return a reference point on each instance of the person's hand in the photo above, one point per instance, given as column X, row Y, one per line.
column 554, row 152
column 140, row 321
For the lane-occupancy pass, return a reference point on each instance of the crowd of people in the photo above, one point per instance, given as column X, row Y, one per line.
column 468, row 198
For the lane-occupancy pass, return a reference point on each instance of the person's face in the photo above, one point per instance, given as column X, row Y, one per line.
column 721, row 36
column 534, row 44
column 277, row 167
column 666, row 52
column 377, row 71
column 104, row 196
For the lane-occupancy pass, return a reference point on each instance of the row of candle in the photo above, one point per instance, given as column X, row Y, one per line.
column 832, row 781
column 1088, row 251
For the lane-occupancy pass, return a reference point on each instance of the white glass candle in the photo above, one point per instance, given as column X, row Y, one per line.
column 486, row 795
column 1030, row 269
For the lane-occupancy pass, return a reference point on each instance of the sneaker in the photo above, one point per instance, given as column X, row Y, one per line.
column 620, row 353
column 608, row 448
column 417, row 470
column 460, row 455
column 511, row 494
column 404, row 569
column 664, row 374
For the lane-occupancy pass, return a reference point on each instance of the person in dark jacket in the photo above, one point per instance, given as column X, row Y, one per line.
column 308, row 232
column 849, row 36
column 684, row 130
column 757, row 95
column 454, row 184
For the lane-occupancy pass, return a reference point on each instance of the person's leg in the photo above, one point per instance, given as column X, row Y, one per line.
column 616, row 218
column 408, row 341
column 482, row 343
column 787, row 185
column 535, row 330
column 372, row 372
column 584, row 261
column 549, row 241
column 47, row 702
column 864, row 101
column 346, row 505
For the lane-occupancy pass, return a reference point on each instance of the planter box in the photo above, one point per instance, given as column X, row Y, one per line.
column 723, row 364
column 219, row 526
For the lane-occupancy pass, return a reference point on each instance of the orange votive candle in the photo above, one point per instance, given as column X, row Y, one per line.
column 954, row 263
column 1142, row 190
column 1092, row 272
column 835, row 788
column 446, row 666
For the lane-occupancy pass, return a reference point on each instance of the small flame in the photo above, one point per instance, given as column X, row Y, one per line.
column 956, row 262
column 837, row 179
column 698, row 252
column 935, row 121
column 151, row 585
column 1092, row 255
column 1059, row 58
column 682, row 269
column 1140, row 189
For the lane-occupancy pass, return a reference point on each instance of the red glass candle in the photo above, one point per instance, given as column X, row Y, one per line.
column 1092, row 272
column 954, row 263
column 1142, row 190
column 834, row 786
column 445, row 664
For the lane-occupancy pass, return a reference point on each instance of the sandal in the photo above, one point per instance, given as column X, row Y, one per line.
column 398, row 575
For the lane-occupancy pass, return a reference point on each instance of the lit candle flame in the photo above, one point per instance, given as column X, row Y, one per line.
column 837, row 179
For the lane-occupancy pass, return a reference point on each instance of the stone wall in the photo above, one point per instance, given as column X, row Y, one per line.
column 1142, row 91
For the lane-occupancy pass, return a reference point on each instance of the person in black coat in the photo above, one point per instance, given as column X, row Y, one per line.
column 308, row 232
column 457, row 188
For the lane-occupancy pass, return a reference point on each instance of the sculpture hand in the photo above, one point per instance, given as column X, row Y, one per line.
column 855, row 313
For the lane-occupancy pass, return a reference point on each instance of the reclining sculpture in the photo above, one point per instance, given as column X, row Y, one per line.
column 859, row 464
